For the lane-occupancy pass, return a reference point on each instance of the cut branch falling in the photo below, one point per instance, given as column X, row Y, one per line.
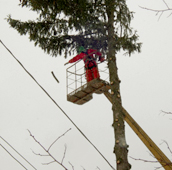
column 48, row 152
column 55, row 77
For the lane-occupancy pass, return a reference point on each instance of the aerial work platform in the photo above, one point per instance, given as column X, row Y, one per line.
column 84, row 93
column 80, row 92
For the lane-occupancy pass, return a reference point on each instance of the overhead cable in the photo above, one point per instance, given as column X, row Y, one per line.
column 58, row 106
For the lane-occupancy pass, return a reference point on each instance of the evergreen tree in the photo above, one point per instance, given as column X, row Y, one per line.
column 64, row 25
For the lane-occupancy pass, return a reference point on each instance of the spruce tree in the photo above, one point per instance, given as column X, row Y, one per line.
column 64, row 25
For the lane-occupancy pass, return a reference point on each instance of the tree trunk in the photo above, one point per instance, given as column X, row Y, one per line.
column 120, row 148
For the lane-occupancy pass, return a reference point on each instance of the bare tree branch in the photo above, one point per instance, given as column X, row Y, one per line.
column 156, row 10
column 83, row 168
column 38, row 154
column 143, row 160
column 64, row 154
column 71, row 166
column 160, row 11
column 47, row 151
column 166, row 163
column 148, row 161
column 58, row 138
column 166, row 4
column 166, row 112
column 48, row 163
column 167, row 146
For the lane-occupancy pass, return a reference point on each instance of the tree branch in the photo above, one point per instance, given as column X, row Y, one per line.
column 148, row 161
column 71, row 166
column 58, row 138
column 64, row 154
column 55, row 77
column 166, row 4
column 165, row 112
column 48, row 163
column 161, row 11
column 167, row 146
column 47, row 151
column 143, row 160
column 38, row 154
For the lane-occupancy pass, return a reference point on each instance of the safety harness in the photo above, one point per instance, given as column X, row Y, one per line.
column 89, row 61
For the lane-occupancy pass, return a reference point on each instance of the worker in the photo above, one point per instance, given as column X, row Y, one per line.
column 89, row 61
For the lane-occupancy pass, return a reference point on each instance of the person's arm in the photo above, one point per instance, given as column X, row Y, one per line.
column 76, row 58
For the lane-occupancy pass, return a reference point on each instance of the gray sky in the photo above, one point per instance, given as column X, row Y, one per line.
column 146, row 80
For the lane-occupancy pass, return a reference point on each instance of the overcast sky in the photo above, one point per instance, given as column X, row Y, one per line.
column 146, row 81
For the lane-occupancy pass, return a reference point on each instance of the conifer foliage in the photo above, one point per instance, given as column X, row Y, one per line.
column 63, row 25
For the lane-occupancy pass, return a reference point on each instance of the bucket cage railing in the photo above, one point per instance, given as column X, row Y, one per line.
column 75, row 76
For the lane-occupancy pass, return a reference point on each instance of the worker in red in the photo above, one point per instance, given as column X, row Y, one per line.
column 90, row 62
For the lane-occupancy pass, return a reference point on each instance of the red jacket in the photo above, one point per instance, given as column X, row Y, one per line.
column 88, row 57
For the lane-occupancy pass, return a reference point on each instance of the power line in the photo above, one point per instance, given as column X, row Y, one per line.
column 13, row 157
column 58, row 106
column 17, row 152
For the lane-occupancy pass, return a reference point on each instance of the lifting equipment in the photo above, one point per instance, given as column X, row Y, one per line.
column 83, row 93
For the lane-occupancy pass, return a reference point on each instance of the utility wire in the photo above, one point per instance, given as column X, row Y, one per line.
column 13, row 157
column 18, row 153
column 58, row 106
